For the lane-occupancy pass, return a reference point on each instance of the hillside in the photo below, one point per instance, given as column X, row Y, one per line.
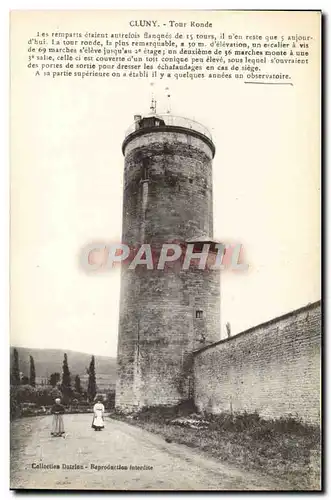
column 48, row 361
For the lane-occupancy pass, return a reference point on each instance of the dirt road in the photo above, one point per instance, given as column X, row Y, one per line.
column 163, row 466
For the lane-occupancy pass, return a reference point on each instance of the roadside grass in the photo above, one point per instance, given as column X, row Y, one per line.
column 285, row 448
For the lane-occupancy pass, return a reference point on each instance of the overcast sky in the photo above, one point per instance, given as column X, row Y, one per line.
column 67, row 169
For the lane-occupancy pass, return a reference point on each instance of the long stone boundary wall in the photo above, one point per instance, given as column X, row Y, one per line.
column 273, row 368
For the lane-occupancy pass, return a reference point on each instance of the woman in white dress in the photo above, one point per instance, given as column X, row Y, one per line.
column 98, row 410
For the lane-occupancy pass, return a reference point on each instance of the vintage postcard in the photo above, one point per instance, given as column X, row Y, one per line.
column 165, row 250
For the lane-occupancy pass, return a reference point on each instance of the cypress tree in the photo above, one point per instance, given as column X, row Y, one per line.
column 92, row 386
column 32, row 372
column 66, row 378
column 78, row 387
column 15, row 374
column 54, row 379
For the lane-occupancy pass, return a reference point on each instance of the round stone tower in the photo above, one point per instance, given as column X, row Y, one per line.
column 165, row 314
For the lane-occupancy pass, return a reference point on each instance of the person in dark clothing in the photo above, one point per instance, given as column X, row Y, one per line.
column 57, row 412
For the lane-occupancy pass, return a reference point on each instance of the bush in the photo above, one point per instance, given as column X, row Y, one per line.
column 79, row 409
column 164, row 414
column 19, row 395
column 110, row 403
column 15, row 408
column 292, row 424
column 47, row 396
column 25, row 400
column 77, row 396
column 257, row 427
column 25, row 394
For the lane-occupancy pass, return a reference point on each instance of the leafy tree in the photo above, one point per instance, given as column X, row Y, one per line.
column 32, row 372
column 92, row 386
column 66, row 379
column 228, row 329
column 78, row 387
column 15, row 374
column 54, row 379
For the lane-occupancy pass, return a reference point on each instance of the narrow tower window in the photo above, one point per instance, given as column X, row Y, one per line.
column 199, row 314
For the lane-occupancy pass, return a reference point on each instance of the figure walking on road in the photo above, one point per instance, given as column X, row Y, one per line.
column 98, row 410
column 58, row 425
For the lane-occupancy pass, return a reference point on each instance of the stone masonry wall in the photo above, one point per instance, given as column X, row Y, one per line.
column 273, row 369
column 167, row 188
column 167, row 197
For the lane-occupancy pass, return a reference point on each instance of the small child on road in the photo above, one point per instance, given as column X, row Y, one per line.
column 57, row 412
